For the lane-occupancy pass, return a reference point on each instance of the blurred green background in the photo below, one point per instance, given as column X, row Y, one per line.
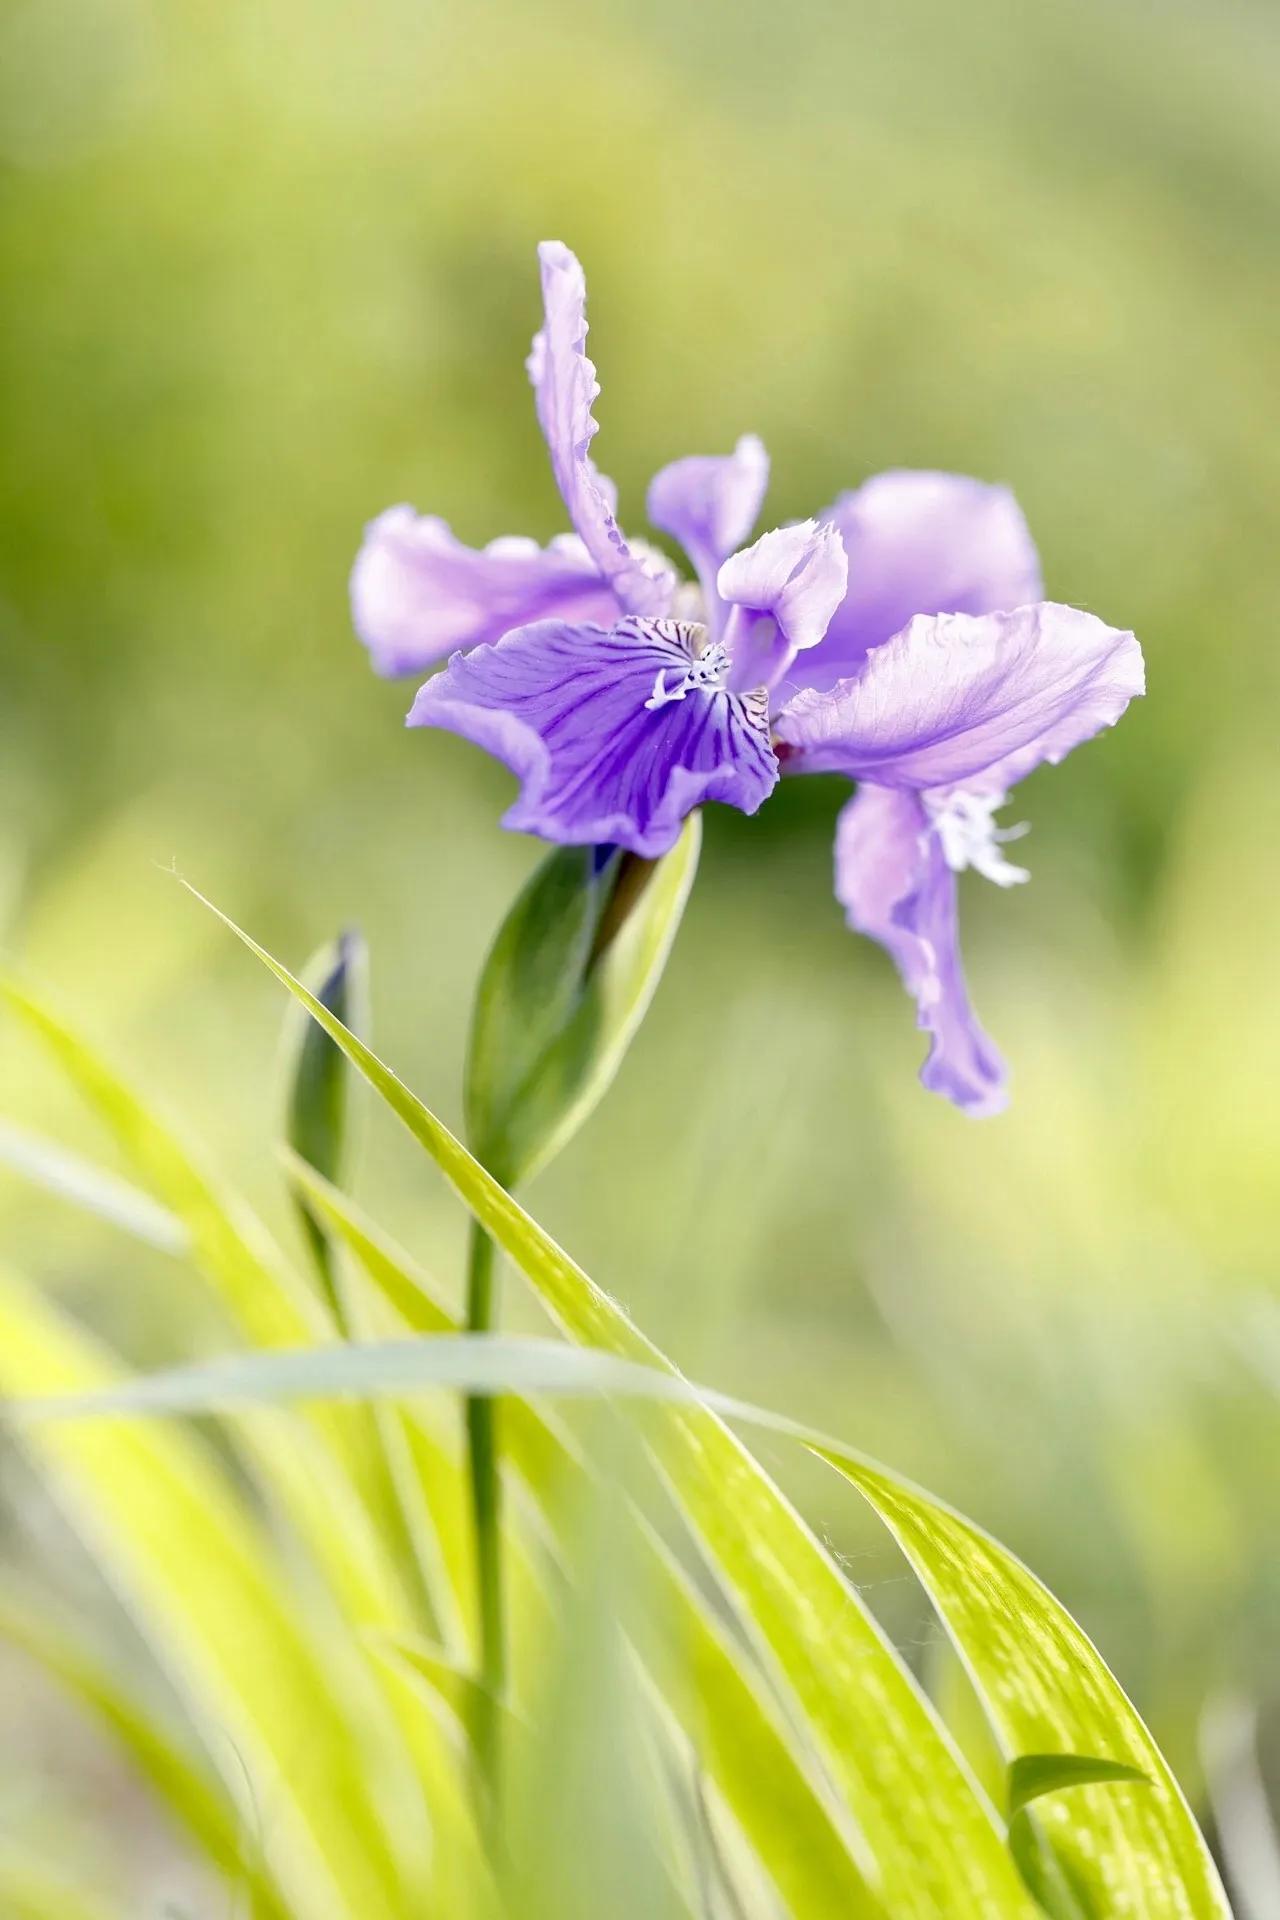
column 270, row 267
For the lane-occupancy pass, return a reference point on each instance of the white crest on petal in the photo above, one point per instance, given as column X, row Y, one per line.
column 704, row 674
column 969, row 837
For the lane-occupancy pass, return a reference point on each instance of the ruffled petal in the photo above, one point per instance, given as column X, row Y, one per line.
column 956, row 700
column 593, row 722
column 709, row 503
column 565, row 389
column 895, row 887
column 417, row 593
column 922, row 542
column 782, row 591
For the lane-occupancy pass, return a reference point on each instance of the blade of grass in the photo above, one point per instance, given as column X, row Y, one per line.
column 78, row 1181
column 199, row 1803
column 768, row 1786
column 1130, row 1845
column 933, row 1837
column 330, row 1481
column 199, row 1575
column 1033, row 1668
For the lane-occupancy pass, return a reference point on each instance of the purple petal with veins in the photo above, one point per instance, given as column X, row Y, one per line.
column 615, row 734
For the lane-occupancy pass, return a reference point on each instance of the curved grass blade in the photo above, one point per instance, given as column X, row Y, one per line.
column 315, row 1122
column 1140, row 1839
column 1032, row 1666
column 768, row 1787
column 198, row 1802
column 92, row 1189
column 1032, row 1775
column 1127, row 1845
column 934, row 1840
column 330, row 1480
column 199, row 1575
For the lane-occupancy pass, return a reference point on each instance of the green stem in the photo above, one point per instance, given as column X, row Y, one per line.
column 486, row 1506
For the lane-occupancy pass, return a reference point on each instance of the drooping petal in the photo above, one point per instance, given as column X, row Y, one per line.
column 896, row 887
column 565, row 389
column 417, row 593
column 922, row 542
column 958, row 700
column 614, row 734
column 710, row 503
column 783, row 591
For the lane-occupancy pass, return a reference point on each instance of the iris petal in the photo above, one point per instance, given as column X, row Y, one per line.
column 921, row 542
column 565, row 389
column 895, row 887
column 960, row 700
column 417, row 593
column 573, row 711
column 710, row 502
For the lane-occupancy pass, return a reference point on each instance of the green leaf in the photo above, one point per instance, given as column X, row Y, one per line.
column 566, row 984
column 225, row 1837
column 1016, row 1637
column 331, row 1479
column 198, row 1572
column 933, row 1838
column 316, row 1113
column 1033, row 1774
column 731, row 1719
column 1131, row 1844
column 91, row 1188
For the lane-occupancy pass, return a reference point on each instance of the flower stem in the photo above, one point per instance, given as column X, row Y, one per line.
column 486, row 1507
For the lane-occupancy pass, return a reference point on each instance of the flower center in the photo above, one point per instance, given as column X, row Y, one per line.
column 969, row 837
column 704, row 674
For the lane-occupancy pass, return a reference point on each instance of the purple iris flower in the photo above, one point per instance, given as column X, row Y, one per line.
column 900, row 638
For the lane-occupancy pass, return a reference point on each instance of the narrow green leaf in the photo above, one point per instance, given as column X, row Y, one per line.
column 91, row 1188
column 442, row 1676
column 1033, row 1774
column 316, row 1114
column 316, row 1132
column 1016, row 1635
column 200, row 1804
column 764, row 1775
column 331, row 1480
column 1129, row 1845
column 199, row 1574
column 566, row 984
column 933, row 1838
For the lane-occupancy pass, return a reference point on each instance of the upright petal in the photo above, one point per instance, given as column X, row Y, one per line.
column 565, row 389
column 922, row 542
column 895, row 887
column 417, row 593
column 783, row 590
column 614, row 734
column 955, row 699
column 710, row 502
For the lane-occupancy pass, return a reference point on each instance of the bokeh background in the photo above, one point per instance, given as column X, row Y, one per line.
column 270, row 267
